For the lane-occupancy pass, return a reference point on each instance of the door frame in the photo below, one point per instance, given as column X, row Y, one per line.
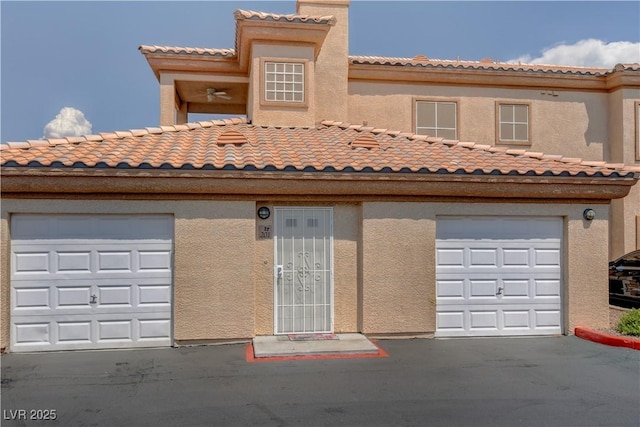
column 276, row 234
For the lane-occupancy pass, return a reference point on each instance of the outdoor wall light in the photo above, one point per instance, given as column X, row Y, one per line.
column 589, row 214
column 264, row 212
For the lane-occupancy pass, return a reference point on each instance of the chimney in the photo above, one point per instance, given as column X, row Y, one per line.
column 332, row 64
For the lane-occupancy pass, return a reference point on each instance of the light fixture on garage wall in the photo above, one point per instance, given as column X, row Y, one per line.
column 589, row 214
column 264, row 212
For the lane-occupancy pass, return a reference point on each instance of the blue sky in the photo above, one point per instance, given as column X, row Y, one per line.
column 85, row 54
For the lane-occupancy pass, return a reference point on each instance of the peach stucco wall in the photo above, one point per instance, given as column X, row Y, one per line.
column 623, row 136
column 384, row 263
column 399, row 262
column 280, row 115
column 213, row 271
column 572, row 124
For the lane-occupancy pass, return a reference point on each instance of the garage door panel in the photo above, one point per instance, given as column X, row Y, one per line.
column 547, row 288
column 154, row 329
column 515, row 289
column 153, row 295
column 498, row 276
column 548, row 319
column 29, row 262
column 516, row 319
column 73, row 261
column 450, row 257
column 483, row 319
column 34, row 332
column 114, row 296
column 482, row 289
column 483, row 257
column 154, row 260
column 110, row 261
column 451, row 320
column 546, row 257
column 74, row 332
column 32, row 298
column 104, row 260
column 82, row 281
column 450, row 289
column 103, row 331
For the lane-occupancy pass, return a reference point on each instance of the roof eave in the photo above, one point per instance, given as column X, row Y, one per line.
column 477, row 77
column 29, row 182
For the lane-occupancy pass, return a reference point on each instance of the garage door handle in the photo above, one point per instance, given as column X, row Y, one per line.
column 500, row 289
column 93, row 299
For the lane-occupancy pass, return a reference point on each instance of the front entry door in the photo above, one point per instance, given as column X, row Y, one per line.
column 303, row 270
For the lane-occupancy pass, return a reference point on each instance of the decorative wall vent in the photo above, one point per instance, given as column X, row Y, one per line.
column 231, row 137
column 365, row 141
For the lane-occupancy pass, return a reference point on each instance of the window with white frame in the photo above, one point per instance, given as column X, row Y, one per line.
column 513, row 123
column 437, row 118
column 284, row 81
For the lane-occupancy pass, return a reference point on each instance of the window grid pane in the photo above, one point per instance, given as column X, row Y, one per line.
column 514, row 122
column 284, row 82
column 436, row 119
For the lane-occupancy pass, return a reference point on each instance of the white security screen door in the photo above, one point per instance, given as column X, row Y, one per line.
column 303, row 270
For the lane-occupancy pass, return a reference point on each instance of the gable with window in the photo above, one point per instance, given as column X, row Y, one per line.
column 513, row 123
column 437, row 118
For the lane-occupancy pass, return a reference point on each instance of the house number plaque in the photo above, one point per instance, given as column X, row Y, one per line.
column 264, row 231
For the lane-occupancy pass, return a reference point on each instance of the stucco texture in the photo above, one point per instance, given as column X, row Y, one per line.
column 572, row 124
column 399, row 262
column 213, row 250
column 384, row 263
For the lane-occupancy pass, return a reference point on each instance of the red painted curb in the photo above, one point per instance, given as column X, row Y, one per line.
column 252, row 359
column 602, row 338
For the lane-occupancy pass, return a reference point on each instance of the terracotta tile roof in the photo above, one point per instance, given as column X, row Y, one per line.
column 196, row 51
column 233, row 144
column 484, row 64
column 250, row 15
column 627, row 67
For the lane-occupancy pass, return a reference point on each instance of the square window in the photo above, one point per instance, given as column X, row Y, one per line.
column 513, row 123
column 289, row 82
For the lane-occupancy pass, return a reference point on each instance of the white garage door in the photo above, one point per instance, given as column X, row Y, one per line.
column 498, row 276
column 90, row 281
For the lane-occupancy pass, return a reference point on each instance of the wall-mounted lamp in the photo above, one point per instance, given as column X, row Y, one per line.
column 264, row 212
column 589, row 214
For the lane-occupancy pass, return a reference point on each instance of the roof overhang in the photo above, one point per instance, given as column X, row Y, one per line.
column 160, row 184
column 451, row 75
column 250, row 31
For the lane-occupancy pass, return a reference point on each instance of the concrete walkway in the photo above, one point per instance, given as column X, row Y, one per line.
column 308, row 345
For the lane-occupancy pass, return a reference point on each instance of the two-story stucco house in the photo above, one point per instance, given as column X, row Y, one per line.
column 386, row 196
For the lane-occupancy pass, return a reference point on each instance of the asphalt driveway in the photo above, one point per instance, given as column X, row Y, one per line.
column 562, row 381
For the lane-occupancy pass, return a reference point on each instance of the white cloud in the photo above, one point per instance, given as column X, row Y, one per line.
column 69, row 122
column 587, row 53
